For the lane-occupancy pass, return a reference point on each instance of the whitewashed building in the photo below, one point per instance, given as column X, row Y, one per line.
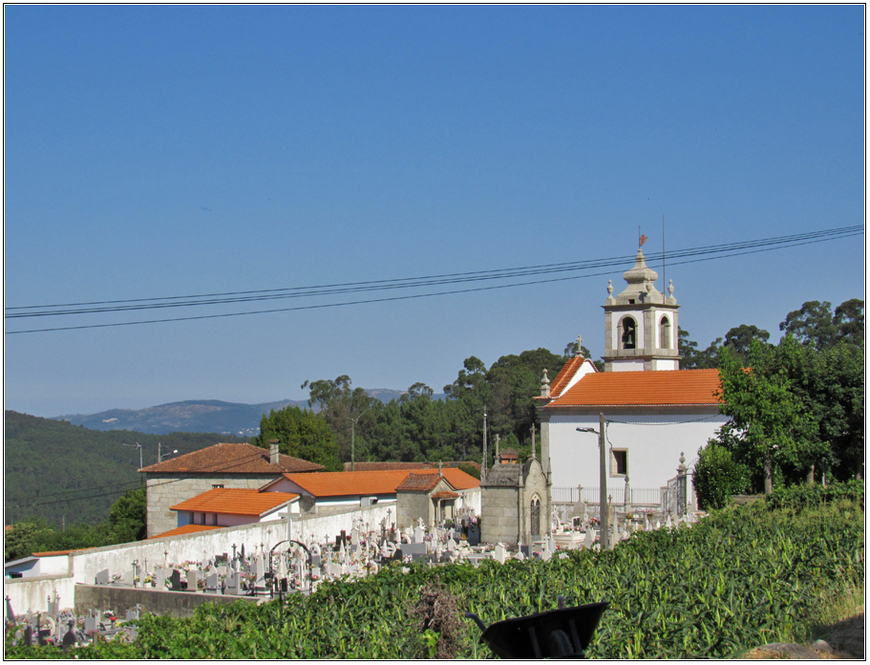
column 655, row 413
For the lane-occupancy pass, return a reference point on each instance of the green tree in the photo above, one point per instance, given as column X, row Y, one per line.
column 739, row 339
column 128, row 516
column 300, row 433
column 830, row 385
column 347, row 410
column 849, row 320
column 717, row 476
column 812, row 325
column 769, row 425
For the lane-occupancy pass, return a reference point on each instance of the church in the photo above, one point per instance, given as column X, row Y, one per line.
column 654, row 412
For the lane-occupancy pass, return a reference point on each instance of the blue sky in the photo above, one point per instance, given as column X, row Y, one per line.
column 160, row 151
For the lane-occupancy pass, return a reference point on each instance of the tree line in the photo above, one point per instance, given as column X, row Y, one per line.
column 818, row 363
column 797, row 407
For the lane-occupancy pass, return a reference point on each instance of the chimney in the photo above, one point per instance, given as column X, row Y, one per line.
column 273, row 451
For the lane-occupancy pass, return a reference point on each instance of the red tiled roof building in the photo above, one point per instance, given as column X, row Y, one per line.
column 654, row 411
column 223, row 465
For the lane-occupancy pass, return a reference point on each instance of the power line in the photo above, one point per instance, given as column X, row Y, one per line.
column 691, row 255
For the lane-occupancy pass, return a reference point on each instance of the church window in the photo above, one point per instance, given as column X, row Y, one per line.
column 618, row 463
column 628, row 333
column 665, row 333
column 535, row 517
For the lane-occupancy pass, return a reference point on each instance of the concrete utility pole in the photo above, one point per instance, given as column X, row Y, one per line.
column 483, row 468
column 602, row 497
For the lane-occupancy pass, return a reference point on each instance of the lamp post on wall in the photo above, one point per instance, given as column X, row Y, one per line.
column 605, row 522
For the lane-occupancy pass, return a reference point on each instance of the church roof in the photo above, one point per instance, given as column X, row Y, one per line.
column 685, row 387
column 565, row 374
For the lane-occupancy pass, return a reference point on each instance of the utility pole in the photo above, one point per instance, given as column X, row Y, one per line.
column 605, row 518
column 483, row 468
column 602, row 496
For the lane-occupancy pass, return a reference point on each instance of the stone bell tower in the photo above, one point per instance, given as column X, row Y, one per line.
column 640, row 324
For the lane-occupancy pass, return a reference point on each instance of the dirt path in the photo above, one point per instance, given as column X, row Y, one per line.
column 844, row 641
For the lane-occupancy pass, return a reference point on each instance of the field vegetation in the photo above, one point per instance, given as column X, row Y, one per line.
column 744, row 576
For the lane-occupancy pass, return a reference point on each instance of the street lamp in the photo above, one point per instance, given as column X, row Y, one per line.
column 605, row 526
column 137, row 445
column 160, row 454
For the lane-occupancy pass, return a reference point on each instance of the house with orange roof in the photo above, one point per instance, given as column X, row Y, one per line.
column 329, row 491
column 223, row 506
column 221, row 466
column 654, row 412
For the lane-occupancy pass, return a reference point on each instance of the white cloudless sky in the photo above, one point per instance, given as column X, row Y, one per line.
column 157, row 151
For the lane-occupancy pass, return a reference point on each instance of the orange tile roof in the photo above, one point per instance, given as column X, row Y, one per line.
column 234, row 501
column 408, row 466
column 419, row 482
column 682, row 387
column 232, row 458
column 186, row 529
column 359, row 483
column 568, row 370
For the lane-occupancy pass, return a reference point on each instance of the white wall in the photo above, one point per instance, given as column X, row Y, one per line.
column 30, row 594
column 654, row 444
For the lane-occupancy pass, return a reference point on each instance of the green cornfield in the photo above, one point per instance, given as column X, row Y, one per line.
column 742, row 577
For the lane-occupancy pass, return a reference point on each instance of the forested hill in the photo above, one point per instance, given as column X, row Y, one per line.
column 57, row 470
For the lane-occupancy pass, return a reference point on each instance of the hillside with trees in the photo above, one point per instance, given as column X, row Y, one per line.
column 68, row 474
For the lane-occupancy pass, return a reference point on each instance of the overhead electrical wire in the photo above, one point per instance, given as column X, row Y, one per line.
column 690, row 255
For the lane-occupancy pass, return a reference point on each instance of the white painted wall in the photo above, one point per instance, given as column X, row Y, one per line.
column 654, row 444
column 30, row 594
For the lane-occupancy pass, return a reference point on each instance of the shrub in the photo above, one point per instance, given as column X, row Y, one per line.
column 718, row 476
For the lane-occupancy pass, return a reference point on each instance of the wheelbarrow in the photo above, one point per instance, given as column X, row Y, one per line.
column 560, row 633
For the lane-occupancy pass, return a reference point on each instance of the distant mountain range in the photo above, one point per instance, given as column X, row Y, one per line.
column 211, row 416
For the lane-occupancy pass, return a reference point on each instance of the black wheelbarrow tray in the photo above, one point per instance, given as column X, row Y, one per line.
column 560, row 633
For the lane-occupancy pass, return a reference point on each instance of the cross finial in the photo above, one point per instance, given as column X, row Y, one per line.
column 579, row 346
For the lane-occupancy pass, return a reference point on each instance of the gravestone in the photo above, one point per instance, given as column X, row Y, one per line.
column 90, row 625
column 69, row 638
column 410, row 549
column 316, row 560
column 589, row 541
column 500, row 554
column 193, row 580
column 102, row 577
column 419, row 534
column 175, row 580
column 211, row 583
column 234, row 584
column 160, row 579
column 546, row 555
column 127, row 578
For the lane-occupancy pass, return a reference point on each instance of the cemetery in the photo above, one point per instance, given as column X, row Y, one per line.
column 260, row 562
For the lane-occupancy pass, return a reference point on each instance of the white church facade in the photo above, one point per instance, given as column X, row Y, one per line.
column 654, row 412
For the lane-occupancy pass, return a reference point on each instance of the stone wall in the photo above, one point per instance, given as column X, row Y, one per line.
column 165, row 491
column 500, row 522
column 172, row 603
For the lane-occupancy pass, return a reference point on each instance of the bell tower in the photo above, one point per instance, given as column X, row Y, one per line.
column 640, row 324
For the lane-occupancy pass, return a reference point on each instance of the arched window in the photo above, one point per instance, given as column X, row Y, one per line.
column 535, row 517
column 665, row 333
column 628, row 333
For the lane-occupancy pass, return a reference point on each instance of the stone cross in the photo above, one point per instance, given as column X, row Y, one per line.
column 579, row 346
